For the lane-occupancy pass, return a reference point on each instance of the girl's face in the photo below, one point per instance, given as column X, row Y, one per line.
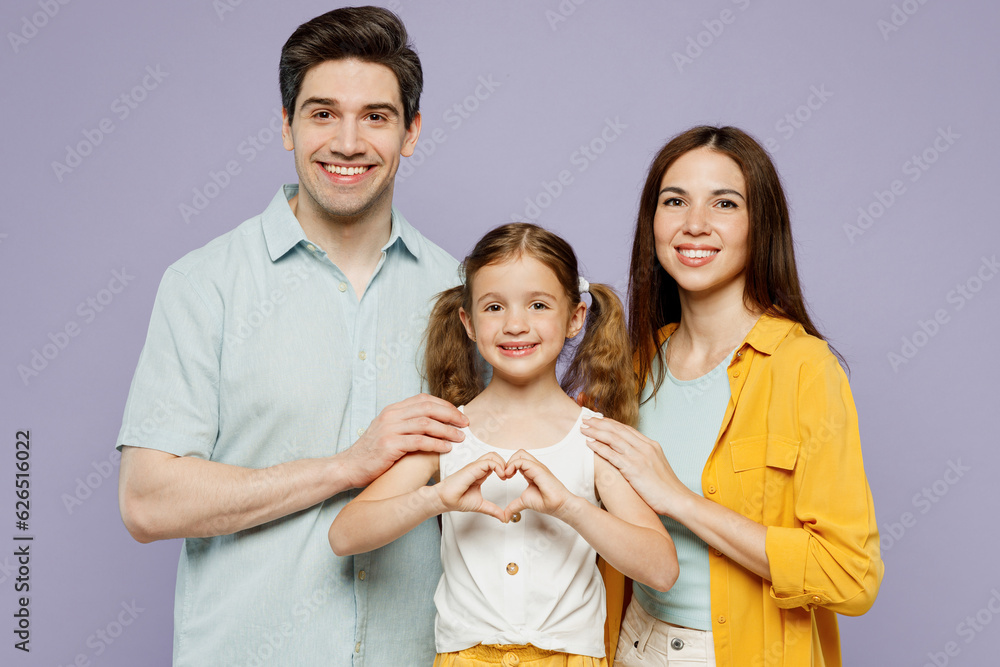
column 520, row 319
column 702, row 222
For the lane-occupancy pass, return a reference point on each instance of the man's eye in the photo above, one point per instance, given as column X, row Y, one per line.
column 376, row 117
column 323, row 115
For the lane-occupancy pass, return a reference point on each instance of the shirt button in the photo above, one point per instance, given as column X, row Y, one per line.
column 722, row 619
column 736, row 374
column 511, row 568
column 311, row 247
column 716, row 552
column 362, row 355
column 711, row 489
column 357, row 647
column 515, row 517
column 342, row 287
column 361, row 432
column 361, row 575
column 816, row 599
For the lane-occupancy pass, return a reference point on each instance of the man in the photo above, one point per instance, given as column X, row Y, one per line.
column 269, row 388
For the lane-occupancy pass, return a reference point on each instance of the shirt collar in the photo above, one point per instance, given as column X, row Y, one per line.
column 764, row 337
column 282, row 230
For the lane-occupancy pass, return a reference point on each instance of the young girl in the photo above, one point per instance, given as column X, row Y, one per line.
column 519, row 496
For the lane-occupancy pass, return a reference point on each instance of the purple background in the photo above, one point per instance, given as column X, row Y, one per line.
column 557, row 74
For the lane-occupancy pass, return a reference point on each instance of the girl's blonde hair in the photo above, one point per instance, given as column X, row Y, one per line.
column 601, row 366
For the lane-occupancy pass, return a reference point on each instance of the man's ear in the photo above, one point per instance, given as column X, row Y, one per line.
column 412, row 134
column 286, row 130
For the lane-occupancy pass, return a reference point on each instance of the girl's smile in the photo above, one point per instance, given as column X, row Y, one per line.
column 520, row 319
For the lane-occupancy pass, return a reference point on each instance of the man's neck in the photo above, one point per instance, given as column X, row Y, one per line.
column 354, row 244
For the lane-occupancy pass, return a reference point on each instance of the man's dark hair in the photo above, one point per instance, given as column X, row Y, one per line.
column 369, row 34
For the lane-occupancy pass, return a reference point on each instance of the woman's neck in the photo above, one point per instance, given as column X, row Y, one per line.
column 711, row 327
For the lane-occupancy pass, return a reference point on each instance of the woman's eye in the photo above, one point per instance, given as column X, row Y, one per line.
column 673, row 201
column 726, row 203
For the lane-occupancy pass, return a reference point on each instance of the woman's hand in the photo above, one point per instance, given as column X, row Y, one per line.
column 544, row 494
column 461, row 491
column 640, row 460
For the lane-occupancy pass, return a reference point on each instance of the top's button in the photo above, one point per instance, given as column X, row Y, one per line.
column 311, row 247
column 342, row 287
column 711, row 489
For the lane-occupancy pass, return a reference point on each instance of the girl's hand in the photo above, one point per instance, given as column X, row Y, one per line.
column 461, row 491
column 640, row 460
column 544, row 494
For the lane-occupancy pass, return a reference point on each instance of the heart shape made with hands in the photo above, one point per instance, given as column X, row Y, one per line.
column 534, row 497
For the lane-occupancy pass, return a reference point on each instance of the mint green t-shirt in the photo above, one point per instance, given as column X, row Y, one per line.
column 685, row 417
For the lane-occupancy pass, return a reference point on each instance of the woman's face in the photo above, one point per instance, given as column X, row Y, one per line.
column 701, row 223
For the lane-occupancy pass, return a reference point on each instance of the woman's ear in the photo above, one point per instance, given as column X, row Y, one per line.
column 576, row 320
column 467, row 323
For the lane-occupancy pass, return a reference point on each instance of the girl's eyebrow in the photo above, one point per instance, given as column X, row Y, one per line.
column 493, row 295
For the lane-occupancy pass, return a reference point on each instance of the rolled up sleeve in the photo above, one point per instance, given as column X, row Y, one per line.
column 830, row 558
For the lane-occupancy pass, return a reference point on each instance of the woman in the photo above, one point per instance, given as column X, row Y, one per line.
column 747, row 444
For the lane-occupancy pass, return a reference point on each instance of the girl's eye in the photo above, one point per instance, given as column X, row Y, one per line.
column 538, row 306
column 493, row 308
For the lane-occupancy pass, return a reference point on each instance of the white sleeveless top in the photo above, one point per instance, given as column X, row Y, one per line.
column 534, row 581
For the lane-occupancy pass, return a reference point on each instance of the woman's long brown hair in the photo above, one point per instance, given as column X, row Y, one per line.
column 772, row 281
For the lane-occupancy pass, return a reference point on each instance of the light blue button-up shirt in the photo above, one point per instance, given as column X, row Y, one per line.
column 259, row 352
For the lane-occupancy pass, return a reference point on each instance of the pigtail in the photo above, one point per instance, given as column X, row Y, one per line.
column 452, row 363
column 602, row 364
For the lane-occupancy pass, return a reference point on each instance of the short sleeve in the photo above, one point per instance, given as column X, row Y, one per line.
column 173, row 403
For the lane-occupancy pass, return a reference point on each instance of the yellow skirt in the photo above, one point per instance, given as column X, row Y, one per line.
column 513, row 655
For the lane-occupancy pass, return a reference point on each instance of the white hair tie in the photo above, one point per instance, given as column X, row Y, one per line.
column 583, row 285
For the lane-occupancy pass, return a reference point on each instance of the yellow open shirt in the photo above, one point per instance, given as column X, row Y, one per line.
column 788, row 456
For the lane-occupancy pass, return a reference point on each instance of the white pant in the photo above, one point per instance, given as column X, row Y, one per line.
column 648, row 641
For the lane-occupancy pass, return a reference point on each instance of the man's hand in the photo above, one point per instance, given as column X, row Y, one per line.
column 419, row 423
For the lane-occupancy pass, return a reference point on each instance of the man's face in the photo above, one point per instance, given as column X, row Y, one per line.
column 348, row 133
